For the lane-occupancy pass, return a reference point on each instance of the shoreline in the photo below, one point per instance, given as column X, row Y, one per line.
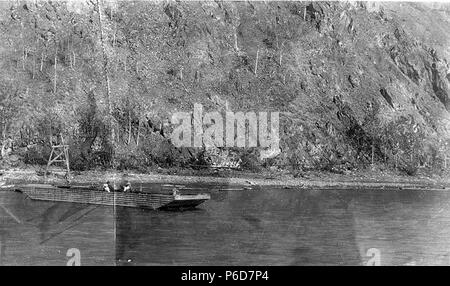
column 321, row 180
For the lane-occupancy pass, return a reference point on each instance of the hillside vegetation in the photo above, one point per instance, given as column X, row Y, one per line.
column 357, row 84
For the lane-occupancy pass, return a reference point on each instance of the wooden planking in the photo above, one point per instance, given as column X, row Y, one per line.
column 143, row 200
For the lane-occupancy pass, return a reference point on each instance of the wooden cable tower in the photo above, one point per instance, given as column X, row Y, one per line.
column 59, row 153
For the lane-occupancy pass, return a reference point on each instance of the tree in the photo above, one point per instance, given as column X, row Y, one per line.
column 105, row 72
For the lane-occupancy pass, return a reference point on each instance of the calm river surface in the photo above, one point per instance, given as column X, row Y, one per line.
column 253, row 227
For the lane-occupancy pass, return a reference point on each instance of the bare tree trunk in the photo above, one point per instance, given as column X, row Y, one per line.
column 69, row 51
column 236, row 48
column 34, row 59
column 373, row 150
column 42, row 62
column 129, row 127
column 54, row 79
column 114, row 35
column 256, row 63
column 105, row 72
column 281, row 54
column 23, row 57
column 23, row 44
column 138, row 132
column 116, row 61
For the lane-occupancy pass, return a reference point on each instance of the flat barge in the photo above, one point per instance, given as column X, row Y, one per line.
column 91, row 195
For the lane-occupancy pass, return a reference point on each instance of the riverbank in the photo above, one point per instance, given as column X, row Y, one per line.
column 277, row 179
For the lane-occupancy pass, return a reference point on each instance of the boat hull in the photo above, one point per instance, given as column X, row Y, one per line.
column 183, row 204
column 129, row 199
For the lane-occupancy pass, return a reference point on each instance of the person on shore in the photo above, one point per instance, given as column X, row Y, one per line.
column 107, row 187
column 127, row 187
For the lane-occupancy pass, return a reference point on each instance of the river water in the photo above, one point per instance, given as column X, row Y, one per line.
column 252, row 227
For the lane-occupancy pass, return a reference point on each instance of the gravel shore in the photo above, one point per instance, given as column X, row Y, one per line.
column 370, row 180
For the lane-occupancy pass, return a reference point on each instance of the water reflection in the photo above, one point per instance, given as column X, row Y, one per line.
column 263, row 227
column 257, row 227
column 409, row 227
column 40, row 233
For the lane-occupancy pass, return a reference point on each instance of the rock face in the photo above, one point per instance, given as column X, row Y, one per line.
column 355, row 83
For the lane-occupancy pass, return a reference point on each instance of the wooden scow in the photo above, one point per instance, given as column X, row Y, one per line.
column 89, row 195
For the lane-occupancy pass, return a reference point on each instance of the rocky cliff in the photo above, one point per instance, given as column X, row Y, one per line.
column 356, row 83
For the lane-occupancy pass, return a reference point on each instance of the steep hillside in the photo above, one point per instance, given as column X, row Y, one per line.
column 357, row 84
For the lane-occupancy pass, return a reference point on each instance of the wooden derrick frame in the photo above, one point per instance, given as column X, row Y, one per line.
column 59, row 154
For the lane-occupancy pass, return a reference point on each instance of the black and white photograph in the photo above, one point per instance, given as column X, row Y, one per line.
column 224, row 133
